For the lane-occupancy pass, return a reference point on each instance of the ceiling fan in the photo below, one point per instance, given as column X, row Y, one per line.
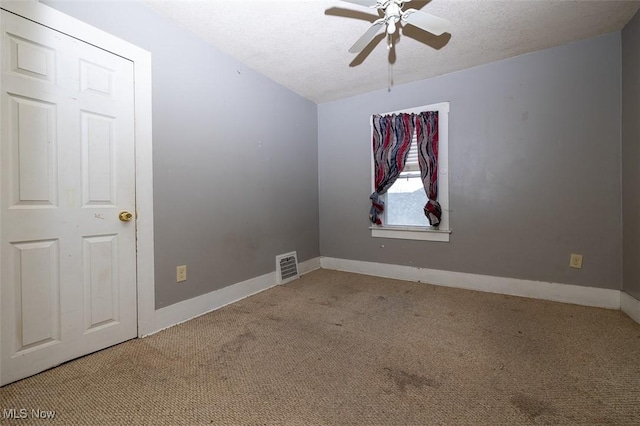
column 393, row 15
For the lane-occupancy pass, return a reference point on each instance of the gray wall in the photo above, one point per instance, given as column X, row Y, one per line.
column 235, row 157
column 534, row 168
column 631, row 155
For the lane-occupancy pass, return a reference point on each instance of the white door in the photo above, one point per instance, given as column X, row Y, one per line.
column 68, row 271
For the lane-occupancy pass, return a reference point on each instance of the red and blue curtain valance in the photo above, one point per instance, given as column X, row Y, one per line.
column 392, row 136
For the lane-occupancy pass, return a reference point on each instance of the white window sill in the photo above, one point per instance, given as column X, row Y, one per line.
column 410, row 233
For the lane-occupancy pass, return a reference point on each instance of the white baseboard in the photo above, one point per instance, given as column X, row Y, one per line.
column 188, row 309
column 567, row 293
column 309, row 265
column 630, row 306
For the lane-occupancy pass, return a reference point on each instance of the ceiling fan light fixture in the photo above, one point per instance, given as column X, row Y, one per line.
column 395, row 16
column 391, row 27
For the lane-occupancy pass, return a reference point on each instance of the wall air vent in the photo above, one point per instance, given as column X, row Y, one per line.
column 287, row 267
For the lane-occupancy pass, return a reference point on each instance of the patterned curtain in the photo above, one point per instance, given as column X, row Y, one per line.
column 392, row 136
column 427, row 137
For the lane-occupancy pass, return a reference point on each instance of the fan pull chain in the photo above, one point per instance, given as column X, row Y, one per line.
column 389, row 47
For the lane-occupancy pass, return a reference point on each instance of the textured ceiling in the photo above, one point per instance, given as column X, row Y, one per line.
column 303, row 44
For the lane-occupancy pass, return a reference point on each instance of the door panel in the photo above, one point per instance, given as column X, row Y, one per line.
column 37, row 287
column 101, row 281
column 34, row 146
column 97, row 159
column 31, row 59
column 68, row 277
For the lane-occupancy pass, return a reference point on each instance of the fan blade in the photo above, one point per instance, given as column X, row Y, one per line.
column 425, row 21
column 367, row 37
column 368, row 3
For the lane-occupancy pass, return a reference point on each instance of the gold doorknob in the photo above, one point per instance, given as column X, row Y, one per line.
column 125, row 216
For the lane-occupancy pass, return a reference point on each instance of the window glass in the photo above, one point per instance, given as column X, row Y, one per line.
column 406, row 200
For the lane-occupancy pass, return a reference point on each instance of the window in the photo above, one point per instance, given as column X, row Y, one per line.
column 403, row 215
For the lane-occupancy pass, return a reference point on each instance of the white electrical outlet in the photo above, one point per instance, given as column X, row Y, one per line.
column 181, row 273
column 575, row 261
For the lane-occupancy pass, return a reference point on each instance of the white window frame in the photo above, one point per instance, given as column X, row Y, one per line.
column 424, row 233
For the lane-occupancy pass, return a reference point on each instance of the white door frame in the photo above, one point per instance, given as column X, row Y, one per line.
column 141, row 59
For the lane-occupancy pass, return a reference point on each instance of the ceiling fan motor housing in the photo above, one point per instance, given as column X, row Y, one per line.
column 392, row 15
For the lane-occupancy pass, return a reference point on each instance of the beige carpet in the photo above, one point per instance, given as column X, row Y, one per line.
column 338, row 348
